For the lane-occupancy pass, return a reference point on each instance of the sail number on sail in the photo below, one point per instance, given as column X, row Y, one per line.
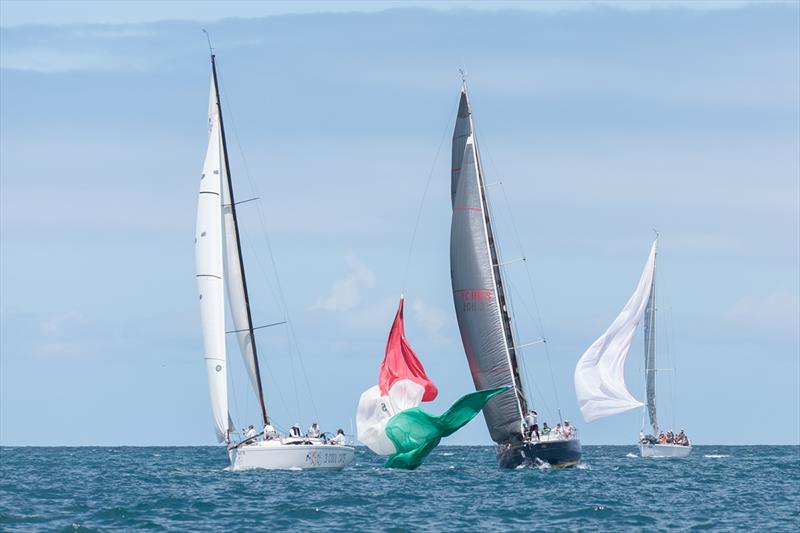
column 474, row 299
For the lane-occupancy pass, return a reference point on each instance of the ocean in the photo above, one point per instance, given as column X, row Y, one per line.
column 718, row 488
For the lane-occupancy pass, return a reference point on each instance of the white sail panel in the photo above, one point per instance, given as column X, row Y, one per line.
column 209, row 268
column 600, row 373
column 234, row 280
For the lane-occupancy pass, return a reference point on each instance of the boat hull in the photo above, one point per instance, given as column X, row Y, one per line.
column 556, row 453
column 280, row 456
column 664, row 450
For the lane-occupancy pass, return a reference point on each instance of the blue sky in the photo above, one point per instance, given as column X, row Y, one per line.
column 601, row 122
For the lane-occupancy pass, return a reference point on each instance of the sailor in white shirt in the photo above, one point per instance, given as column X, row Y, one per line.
column 314, row 431
column 250, row 432
column 557, row 432
column 294, row 431
column 339, row 438
column 531, row 420
column 269, row 432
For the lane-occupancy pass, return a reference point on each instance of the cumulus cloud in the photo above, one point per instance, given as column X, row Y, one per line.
column 430, row 318
column 347, row 292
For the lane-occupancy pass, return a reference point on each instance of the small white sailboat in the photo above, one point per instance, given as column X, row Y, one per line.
column 220, row 266
column 600, row 372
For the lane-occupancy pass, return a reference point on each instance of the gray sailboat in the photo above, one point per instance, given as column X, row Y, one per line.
column 484, row 311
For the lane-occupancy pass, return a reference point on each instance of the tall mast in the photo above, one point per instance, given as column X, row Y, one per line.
column 504, row 307
column 260, row 391
column 650, row 350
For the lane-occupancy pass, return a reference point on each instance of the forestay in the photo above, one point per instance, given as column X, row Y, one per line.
column 209, row 268
column 600, row 373
column 477, row 293
column 650, row 353
column 235, row 279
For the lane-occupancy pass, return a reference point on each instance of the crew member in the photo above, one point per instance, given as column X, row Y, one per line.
column 269, row 432
column 339, row 438
column 531, row 420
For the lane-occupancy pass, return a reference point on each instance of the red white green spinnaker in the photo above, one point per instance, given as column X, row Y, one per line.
column 388, row 418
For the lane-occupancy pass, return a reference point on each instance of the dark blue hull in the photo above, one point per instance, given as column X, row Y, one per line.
column 559, row 454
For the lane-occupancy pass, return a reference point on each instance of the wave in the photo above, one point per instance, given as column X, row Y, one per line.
column 715, row 456
column 632, row 455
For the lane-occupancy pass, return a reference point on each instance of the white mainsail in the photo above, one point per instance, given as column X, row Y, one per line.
column 600, row 373
column 209, row 267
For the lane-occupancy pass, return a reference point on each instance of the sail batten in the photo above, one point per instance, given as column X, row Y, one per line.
column 480, row 303
column 600, row 373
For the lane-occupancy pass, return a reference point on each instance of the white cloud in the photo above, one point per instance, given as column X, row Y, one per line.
column 57, row 325
column 430, row 318
column 347, row 292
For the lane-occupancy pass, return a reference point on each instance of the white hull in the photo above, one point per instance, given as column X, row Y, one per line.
column 664, row 450
column 285, row 455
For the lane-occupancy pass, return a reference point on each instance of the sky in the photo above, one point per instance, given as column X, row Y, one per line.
column 597, row 123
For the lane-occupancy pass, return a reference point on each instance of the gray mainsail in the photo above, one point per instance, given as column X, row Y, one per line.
column 480, row 302
column 650, row 353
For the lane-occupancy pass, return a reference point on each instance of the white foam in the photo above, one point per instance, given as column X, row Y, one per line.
column 447, row 454
column 631, row 455
column 715, row 456
column 583, row 466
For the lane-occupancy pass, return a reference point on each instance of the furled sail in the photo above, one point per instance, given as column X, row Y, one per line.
column 209, row 267
column 600, row 373
column 650, row 353
column 477, row 290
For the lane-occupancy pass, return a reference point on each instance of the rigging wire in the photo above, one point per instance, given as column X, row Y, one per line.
column 528, row 276
column 262, row 221
column 424, row 196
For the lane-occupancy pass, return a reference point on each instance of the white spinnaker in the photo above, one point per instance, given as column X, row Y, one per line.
column 375, row 410
column 600, row 373
column 209, row 267
column 235, row 285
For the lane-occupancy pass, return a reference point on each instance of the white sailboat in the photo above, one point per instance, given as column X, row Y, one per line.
column 220, row 267
column 600, row 373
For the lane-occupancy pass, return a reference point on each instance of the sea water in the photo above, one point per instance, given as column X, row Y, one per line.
column 723, row 488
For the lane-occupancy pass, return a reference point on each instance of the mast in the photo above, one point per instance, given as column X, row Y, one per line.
column 650, row 350
column 503, row 307
column 259, row 388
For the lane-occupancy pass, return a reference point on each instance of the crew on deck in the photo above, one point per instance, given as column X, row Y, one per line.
column 339, row 438
column 250, row 433
column 531, row 423
column 294, row 431
column 313, row 431
column 269, row 432
column 670, row 438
